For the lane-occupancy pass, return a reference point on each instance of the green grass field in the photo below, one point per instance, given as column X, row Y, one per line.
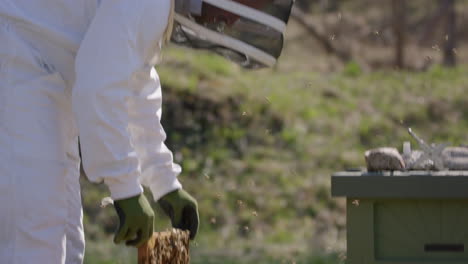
column 258, row 149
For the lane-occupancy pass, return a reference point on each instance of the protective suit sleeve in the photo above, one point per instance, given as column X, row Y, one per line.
column 117, row 99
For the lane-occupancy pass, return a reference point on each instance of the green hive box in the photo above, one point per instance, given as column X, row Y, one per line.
column 405, row 217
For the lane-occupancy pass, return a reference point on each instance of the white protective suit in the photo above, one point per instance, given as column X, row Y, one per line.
column 69, row 69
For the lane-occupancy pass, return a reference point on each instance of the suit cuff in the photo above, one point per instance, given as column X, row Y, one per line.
column 164, row 181
column 122, row 189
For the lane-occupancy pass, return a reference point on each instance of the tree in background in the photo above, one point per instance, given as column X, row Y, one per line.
column 325, row 5
column 446, row 16
column 451, row 32
column 399, row 30
column 425, row 26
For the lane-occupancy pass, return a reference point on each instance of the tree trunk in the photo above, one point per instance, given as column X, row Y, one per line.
column 323, row 39
column 399, row 30
column 330, row 5
column 450, row 31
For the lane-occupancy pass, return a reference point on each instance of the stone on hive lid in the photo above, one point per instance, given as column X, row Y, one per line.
column 384, row 159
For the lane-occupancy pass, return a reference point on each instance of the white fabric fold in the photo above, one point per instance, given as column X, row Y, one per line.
column 117, row 98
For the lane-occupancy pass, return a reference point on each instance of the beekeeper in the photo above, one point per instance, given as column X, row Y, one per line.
column 82, row 68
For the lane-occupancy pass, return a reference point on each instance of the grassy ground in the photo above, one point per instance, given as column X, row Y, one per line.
column 257, row 150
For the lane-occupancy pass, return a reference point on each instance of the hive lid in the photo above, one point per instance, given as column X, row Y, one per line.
column 401, row 184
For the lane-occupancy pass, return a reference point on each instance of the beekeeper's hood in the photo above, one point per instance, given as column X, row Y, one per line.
column 248, row 32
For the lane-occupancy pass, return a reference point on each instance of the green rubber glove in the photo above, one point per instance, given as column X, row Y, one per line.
column 136, row 221
column 182, row 209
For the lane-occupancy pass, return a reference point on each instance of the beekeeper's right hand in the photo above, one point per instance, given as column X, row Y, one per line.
column 136, row 221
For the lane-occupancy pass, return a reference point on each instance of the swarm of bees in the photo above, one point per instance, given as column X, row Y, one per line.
column 170, row 247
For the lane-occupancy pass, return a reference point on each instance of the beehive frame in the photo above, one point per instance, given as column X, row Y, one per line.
column 171, row 247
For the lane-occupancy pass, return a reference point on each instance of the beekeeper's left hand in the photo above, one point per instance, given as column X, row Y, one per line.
column 182, row 209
